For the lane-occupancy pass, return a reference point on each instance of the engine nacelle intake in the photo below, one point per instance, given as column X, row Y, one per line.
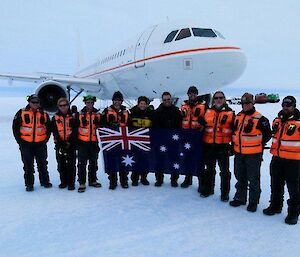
column 49, row 92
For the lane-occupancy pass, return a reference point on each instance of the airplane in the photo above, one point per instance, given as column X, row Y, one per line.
column 165, row 57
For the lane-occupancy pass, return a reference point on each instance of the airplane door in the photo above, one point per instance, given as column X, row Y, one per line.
column 139, row 53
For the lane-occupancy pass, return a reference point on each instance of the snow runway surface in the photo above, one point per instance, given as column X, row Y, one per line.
column 139, row 221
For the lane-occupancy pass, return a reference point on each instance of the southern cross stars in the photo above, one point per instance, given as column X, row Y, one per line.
column 128, row 160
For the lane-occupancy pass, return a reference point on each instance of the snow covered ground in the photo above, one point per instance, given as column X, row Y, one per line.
column 139, row 221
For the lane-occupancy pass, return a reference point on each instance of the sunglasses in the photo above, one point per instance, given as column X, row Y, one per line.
column 35, row 102
column 287, row 105
column 63, row 105
column 218, row 97
column 166, row 99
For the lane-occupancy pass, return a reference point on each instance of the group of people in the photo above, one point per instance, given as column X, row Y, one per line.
column 225, row 133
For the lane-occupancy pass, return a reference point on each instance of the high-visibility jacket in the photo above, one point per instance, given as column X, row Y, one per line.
column 247, row 138
column 88, row 123
column 191, row 115
column 114, row 117
column 33, row 127
column 286, row 139
column 63, row 125
column 218, row 126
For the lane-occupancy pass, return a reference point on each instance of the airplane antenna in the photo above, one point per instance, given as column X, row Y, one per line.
column 80, row 56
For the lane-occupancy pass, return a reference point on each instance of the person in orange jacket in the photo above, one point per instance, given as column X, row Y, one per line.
column 88, row 149
column 251, row 132
column 115, row 116
column 192, row 111
column 31, row 129
column 65, row 128
column 217, row 136
column 285, row 163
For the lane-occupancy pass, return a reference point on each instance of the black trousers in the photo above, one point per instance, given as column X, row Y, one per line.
column 281, row 171
column 160, row 176
column 37, row 151
column 66, row 161
column 247, row 171
column 88, row 152
column 135, row 176
column 113, row 178
column 214, row 153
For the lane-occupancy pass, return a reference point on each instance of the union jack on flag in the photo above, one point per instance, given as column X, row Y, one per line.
column 110, row 138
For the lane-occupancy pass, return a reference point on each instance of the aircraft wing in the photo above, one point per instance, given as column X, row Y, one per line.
column 40, row 77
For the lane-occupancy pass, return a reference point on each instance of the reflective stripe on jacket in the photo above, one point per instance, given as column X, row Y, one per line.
column 286, row 139
column 218, row 127
column 88, row 123
column 63, row 126
column 191, row 115
column 33, row 127
column 246, row 137
column 120, row 118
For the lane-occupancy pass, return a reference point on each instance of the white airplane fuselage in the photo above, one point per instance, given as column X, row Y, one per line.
column 145, row 65
column 166, row 57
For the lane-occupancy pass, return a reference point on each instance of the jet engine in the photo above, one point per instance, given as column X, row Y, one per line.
column 49, row 92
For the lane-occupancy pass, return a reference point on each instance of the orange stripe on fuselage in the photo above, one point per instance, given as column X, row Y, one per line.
column 167, row 54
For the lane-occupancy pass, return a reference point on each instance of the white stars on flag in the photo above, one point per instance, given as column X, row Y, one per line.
column 128, row 160
column 187, row 146
column 176, row 166
column 175, row 137
column 163, row 148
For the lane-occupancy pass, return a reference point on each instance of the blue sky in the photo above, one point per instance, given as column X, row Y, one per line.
column 42, row 35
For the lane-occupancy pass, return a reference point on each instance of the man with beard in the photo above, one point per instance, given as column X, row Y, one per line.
column 192, row 111
column 217, row 138
column 285, row 163
column 167, row 116
column 116, row 116
column 250, row 134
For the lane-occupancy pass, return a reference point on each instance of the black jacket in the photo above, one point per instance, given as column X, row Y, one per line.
column 17, row 123
column 106, row 122
column 136, row 114
column 167, row 117
column 74, row 123
column 263, row 125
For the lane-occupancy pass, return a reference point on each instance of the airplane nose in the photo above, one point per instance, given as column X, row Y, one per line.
column 229, row 67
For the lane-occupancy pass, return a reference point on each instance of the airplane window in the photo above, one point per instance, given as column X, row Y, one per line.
column 203, row 32
column 171, row 36
column 184, row 33
column 219, row 34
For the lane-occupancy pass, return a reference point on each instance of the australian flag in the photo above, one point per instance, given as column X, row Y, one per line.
column 150, row 150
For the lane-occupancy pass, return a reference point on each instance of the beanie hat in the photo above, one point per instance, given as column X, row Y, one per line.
column 247, row 98
column 143, row 98
column 89, row 98
column 33, row 97
column 290, row 100
column 192, row 90
column 117, row 95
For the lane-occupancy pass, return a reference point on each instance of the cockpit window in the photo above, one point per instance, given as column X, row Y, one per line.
column 171, row 36
column 184, row 33
column 219, row 34
column 203, row 32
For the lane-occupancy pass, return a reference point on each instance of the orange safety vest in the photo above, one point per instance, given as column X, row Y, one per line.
column 33, row 128
column 218, row 127
column 88, row 123
column 286, row 139
column 190, row 115
column 117, row 118
column 63, row 126
column 246, row 137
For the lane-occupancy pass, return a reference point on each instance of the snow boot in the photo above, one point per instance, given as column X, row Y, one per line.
column 188, row 180
column 236, row 203
column 81, row 188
